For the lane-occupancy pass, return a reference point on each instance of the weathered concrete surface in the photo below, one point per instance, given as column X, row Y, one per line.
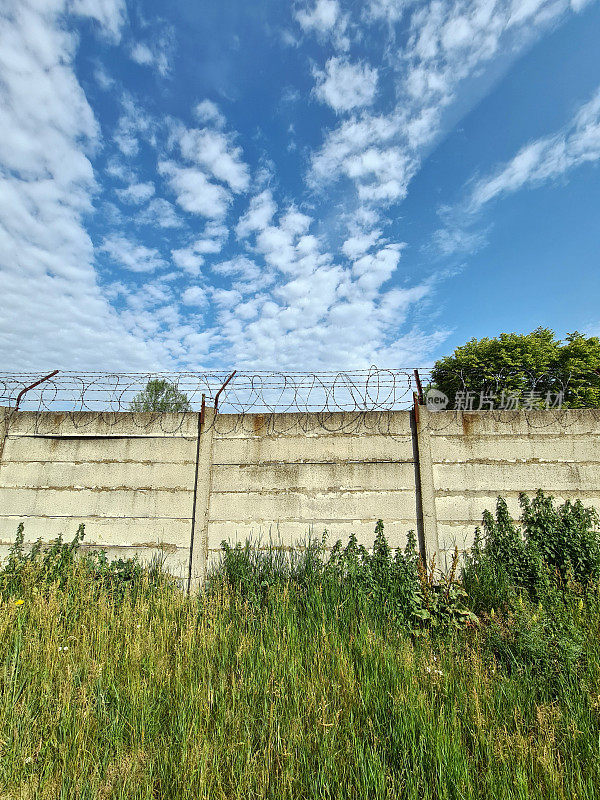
column 131, row 478
column 203, row 482
column 287, row 475
column 477, row 456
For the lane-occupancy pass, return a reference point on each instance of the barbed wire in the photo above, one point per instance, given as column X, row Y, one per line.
column 318, row 397
column 285, row 400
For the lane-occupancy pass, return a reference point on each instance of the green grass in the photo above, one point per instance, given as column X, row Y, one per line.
column 298, row 694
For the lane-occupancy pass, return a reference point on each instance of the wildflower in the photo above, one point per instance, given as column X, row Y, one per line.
column 19, row 602
column 63, row 648
column 580, row 605
column 492, row 614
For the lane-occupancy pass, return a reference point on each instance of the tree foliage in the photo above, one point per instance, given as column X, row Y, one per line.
column 535, row 362
column 161, row 396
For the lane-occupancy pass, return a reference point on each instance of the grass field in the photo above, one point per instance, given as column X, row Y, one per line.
column 300, row 695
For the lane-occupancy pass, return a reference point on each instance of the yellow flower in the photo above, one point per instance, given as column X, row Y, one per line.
column 19, row 602
column 492, row 613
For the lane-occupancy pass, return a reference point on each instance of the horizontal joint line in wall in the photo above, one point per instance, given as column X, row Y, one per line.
column 340, row 463
column 97, row 437
column 83, row 517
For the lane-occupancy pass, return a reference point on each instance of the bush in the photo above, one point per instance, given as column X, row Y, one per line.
column 555, row 548
column 380, row 583
column 57, row 562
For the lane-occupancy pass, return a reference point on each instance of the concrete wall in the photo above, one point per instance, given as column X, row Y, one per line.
column 141, row 482
column 127, row 479
column 477, row 456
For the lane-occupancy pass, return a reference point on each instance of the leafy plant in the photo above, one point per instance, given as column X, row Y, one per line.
column 530, row 365
column 160, row 396
column 553, row 546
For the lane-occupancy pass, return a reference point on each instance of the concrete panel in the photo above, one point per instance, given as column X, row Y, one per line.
column 324, row 477
column 311, row 505
column 100, row 531
column 341, row 423
column 549, row 447
column 468, row 508
column 261, row 449
column 97, row 475
column 175, row 562
column 290, row 534
column 155, row 503
column 92, row 424
column 498, row 477
column 145, row 450
column 572, row 422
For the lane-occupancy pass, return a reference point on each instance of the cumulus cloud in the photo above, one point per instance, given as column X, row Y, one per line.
column 109, row 14
column 208, row 113
column 46, row 190
column 159, row 213
column 156, row 53
column 325, row 20
column 195, row 296
column 194, row 191
column 216, row 152
column 136, row 193
column 344, row 85
column 450, row 45
column 259, row 214
column 131, row 255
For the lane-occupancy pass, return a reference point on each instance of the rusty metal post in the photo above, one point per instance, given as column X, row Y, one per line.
column 4, row 420
column 32, row 386
column 419, row 387
column 221, row 389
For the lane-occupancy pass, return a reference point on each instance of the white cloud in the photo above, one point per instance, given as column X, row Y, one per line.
column 136, row 193
column 191, row 258
column 188, row 260
column 208, row 113
column 322, row 18
column 159, row 213
column 546, row 158
column 344, row 85
column 131, row 255
column 325, row 20
column 110, row 14
column 358, row 245
column 157, row 53
column 195, row 193
column 133, row 125
column 258, row 216
column 46, row 189
column 537, row 162
column 195, row 296
column 103, row 79
column 452, row 47
column 216, row 152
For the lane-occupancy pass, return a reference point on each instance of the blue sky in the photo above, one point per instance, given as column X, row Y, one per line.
column 313, row 185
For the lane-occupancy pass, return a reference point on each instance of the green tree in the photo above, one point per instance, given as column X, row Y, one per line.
column 521, row 364
column 160, row 395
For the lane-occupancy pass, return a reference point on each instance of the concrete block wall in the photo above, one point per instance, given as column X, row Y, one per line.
column 284, row 475
column 143, row 483
column 128, row 478
column 477, row 456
